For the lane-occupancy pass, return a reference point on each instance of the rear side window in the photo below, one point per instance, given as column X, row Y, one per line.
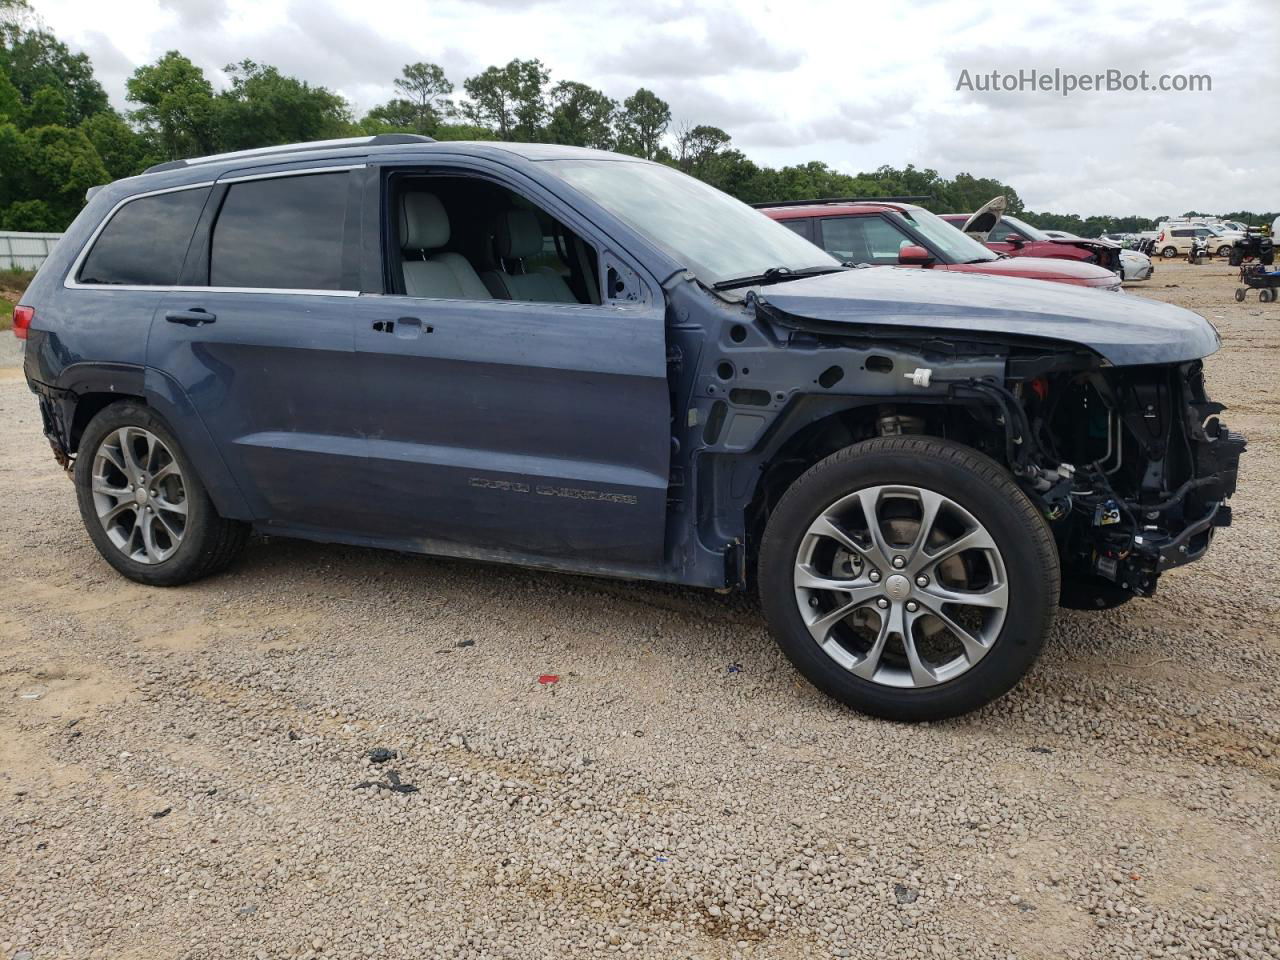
column 283, row 233
column 800, row 225
column 145, row 242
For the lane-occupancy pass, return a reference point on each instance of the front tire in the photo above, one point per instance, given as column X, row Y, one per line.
column 909, row 578
column 1092, row 593
column 142, row 503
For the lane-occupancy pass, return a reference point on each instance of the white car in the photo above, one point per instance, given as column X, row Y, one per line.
column 1183, row 241
column 1178, row 236
column 1133, row 265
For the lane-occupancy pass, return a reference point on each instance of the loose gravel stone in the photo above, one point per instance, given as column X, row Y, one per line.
column 1121, row 802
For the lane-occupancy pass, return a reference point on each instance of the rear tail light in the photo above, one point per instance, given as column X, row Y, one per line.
column 22, row 317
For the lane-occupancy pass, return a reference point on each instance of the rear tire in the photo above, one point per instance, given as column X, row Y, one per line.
column 1015, row 558
column 144, row 506
column 1169, row 252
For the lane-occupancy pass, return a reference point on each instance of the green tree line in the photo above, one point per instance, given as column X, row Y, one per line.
column 59, row 135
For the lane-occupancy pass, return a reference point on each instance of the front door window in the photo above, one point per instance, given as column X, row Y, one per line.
column 863, row 239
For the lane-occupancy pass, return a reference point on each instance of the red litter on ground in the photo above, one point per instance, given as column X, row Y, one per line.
column 549, row 678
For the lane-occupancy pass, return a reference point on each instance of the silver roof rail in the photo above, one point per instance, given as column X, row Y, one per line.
column 378, row 140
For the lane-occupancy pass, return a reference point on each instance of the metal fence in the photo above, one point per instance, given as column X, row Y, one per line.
column 25, row 251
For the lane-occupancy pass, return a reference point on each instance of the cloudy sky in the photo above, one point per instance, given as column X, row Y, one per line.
column 854, row 84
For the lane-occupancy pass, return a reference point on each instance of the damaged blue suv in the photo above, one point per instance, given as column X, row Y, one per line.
column 577, row 360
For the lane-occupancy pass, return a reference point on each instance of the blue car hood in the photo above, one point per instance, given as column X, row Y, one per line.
column 1124, row 330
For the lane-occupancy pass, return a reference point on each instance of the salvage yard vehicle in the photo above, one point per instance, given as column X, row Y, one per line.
column 587, row 362
column 1133, row 264
column 1189, row 241
column 1017, row 238
column 886, row 232
column 1217, row 237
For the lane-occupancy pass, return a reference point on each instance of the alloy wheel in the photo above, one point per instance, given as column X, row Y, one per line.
column 139, row 495
column 901, row 586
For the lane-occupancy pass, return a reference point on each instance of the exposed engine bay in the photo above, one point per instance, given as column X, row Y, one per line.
column 1131, row 466
column 1095, row 404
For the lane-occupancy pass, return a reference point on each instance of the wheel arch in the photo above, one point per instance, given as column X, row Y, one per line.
column 745, row 488
column 86, row 389
column 1014, row 530
column 82, row 391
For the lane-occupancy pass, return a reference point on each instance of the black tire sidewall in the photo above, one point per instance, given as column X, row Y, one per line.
column 1023, row 538
column 187, row 560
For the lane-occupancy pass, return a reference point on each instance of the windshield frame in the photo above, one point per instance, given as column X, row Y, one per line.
column 690, row 221
column 1032, row 233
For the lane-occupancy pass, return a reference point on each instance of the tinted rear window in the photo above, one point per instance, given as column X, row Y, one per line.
column 282, row 233
column 145, row 242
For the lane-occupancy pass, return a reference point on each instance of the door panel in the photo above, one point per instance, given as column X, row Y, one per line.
column 531, row 428
column 274, row 378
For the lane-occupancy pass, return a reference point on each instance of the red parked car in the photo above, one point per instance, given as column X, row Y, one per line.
column 1017, row 238
column 903, row 234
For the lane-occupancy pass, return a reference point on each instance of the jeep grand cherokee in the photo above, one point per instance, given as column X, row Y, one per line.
column 578, row 360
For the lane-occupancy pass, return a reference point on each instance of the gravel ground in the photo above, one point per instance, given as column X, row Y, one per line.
column 185, row 773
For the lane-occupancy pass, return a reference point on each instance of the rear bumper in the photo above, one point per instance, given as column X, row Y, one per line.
column 56, row 409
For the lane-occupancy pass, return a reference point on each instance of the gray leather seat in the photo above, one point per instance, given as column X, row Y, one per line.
column 424, row 227
column 518, row 235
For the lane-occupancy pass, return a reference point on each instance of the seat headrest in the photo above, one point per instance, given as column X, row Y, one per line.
column 518, row 235
column 423, row 223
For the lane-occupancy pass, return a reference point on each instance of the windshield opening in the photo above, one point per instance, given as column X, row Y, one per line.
column 715, row 236
column 1033, row 233
column 955, row 246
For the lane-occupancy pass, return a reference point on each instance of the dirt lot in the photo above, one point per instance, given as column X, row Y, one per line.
column 180, row 770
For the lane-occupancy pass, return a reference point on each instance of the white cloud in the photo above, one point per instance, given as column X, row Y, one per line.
column 197, row 14
column 709, row 45
column 854, row 85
